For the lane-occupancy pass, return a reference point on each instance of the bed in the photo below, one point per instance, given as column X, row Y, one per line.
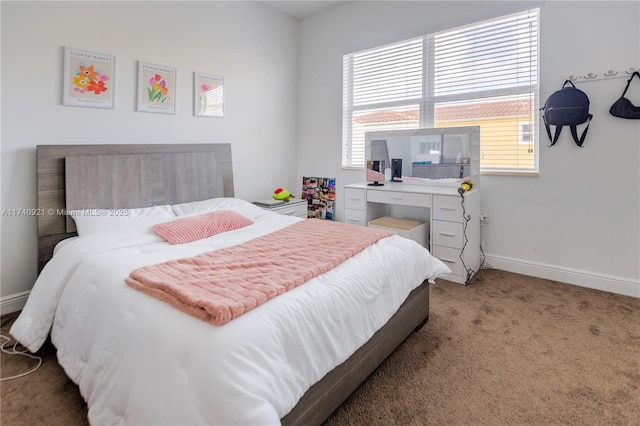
column 138, row 360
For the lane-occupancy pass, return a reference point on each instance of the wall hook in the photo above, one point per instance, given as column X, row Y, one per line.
column 609, row 74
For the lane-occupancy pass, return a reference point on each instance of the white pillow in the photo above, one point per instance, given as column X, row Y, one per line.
column 211, row 204
column 119, row 221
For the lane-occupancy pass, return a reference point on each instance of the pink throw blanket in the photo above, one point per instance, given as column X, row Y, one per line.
column 221, row 285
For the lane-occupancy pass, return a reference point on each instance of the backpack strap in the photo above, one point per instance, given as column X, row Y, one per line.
column 556, row 135
column 574, row 133
column 629, row 82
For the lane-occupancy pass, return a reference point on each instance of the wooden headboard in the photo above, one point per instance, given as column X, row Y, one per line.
column 71, row 177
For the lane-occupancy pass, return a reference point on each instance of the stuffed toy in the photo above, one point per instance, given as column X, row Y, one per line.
column 281, row 194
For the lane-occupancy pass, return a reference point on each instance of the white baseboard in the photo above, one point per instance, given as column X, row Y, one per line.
column 13, row 302
column 610, row 283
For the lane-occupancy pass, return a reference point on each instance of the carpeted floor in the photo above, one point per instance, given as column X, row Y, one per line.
column 504, row 350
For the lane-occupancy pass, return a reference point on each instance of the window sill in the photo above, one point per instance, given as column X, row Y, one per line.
column 509, row 173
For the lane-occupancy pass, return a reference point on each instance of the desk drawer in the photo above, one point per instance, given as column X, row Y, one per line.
column 354, row 217
column 354, row 199
column 447, row 208
column 451, row 258
column 449, row 234
column 399, row 198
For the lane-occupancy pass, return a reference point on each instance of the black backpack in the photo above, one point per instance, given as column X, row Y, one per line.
column 567, row 107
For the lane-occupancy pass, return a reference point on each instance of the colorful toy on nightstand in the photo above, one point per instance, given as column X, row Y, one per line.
column 281, row 194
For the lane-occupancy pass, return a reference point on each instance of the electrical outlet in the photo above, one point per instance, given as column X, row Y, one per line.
column 484, row 220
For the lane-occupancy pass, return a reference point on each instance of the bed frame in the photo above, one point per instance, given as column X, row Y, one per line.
column 72, row 177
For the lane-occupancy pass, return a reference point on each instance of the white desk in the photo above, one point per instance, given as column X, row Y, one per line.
column 442, row 206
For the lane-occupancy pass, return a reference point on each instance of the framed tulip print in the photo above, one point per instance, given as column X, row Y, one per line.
column 88, row 79
column 208, row 95
column 156, row 88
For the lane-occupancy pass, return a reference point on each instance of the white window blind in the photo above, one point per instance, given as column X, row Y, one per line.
column 483, row 74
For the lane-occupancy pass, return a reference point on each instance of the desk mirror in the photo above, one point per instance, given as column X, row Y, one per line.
column 433, row 156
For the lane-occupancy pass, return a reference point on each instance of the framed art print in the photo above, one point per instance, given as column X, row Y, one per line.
column 88, row 79
column 208, row 95
column 156, row 88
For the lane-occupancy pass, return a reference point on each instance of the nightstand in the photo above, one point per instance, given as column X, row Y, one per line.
column 294, row 207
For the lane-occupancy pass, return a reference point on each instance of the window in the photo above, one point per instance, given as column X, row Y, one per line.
column 483, row 74
column 526, row 136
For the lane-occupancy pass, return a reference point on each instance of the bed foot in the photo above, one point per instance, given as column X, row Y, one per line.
column 421, row 324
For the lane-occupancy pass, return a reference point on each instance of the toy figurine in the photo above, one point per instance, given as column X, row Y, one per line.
column 281, row 194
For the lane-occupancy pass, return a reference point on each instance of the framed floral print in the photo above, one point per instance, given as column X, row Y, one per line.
column 208, row 95
column 156, row 88
column 88, row 79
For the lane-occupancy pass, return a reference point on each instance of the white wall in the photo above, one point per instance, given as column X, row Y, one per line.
column 251, row 45
column 579, row 220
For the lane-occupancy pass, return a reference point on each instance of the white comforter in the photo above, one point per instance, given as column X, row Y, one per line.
column 139, row 361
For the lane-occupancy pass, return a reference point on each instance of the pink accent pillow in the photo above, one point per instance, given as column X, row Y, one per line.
column 192, row 228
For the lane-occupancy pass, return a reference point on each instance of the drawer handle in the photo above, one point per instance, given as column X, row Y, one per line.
column 290, row 212
column 447, row 234
column 353, row 220
column 397, row 198
column 448, row 208
column 444, row 259
column 354, row 198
